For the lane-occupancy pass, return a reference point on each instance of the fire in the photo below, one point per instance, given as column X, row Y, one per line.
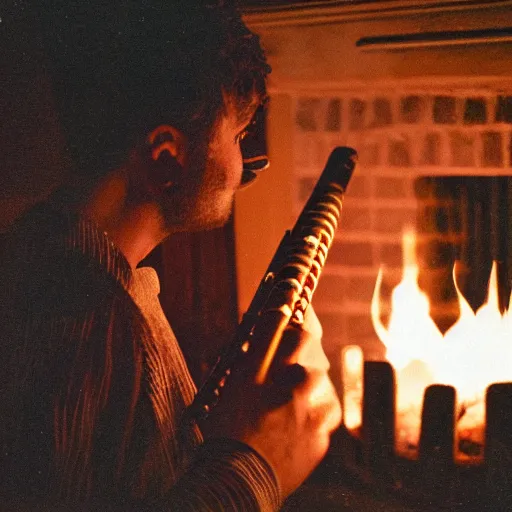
column 474, row 353
column 352, row 368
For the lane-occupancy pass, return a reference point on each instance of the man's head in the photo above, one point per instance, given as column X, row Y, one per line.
column 194, row 184
column 122, row 68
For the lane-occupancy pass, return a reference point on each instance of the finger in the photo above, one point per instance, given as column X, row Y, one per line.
column 280, row 389
column 310, row 353
column 265, row 342
column 297, row 336
column 324, row 409
column 292, row 340
column 312, row 324
column 274, row 328
column 312, row 356
column 311, row 391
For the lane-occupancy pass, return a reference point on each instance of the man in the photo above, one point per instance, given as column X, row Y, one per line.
column 154, row 99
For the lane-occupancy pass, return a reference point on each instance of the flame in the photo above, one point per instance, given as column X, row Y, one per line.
column 411, row 333
column 474, row 353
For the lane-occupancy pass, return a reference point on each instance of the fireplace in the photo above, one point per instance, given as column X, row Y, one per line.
column 436, row 479
column 423, row 91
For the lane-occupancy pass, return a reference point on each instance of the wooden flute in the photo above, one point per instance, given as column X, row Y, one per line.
column 289, row 282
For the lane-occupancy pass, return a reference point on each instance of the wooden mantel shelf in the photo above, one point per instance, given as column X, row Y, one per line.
column 273, row 13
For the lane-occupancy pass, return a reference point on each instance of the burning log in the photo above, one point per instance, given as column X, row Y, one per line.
column 379, row 418
column 436, row 478
column 498, row 445
column 436, row 448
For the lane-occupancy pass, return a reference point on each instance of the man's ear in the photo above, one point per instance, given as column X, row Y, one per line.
column 168, row 139
column 167, row 151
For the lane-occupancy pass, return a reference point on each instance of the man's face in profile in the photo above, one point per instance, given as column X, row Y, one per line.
column 212, row 174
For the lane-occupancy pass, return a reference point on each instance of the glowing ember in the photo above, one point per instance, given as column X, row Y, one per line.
column 352, row 368
column 474, row 353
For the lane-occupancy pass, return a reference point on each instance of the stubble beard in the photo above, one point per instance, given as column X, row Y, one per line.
column 206, row 202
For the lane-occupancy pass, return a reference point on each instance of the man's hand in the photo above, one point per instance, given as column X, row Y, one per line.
column 288, row 419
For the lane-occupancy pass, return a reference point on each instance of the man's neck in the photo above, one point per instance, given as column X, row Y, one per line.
column 133, row 224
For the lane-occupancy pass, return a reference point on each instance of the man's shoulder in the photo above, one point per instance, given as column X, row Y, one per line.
column 43, row 260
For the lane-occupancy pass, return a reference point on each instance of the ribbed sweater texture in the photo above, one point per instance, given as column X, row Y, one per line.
column 94, row 386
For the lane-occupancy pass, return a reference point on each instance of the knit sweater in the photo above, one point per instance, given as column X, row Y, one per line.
column 94, row 385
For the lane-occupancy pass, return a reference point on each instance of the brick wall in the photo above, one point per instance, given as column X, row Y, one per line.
column 402, row 138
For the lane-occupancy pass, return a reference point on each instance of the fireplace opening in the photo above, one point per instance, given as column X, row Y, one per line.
column 432, row 423
column 447, row 321
column 426, row 422
column 463, row 219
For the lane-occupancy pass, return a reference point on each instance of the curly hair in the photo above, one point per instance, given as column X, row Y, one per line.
column 121, row 67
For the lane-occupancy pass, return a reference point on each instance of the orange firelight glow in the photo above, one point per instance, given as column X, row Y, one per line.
column 474, row 353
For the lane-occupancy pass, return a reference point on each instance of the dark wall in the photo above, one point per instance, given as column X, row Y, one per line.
column 31, row 161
